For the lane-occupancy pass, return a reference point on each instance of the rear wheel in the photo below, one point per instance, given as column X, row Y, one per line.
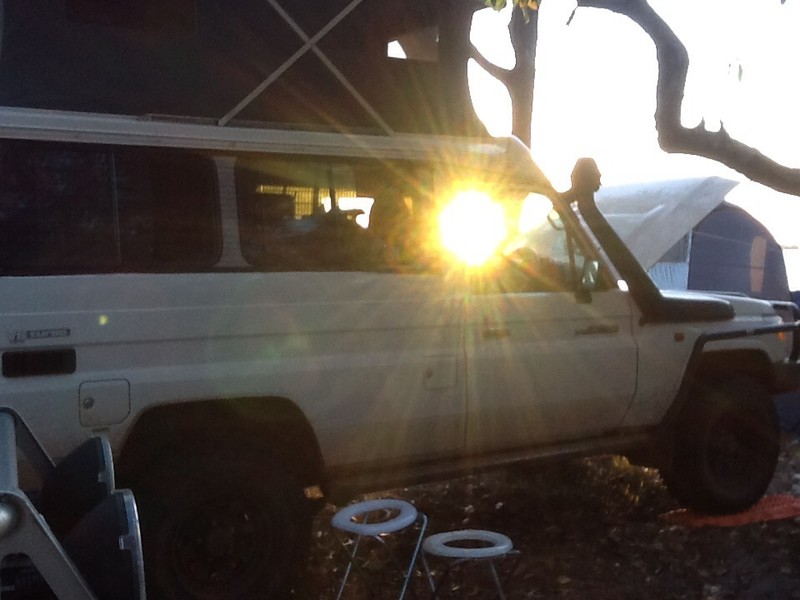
column 727, row 442
column 225, row 526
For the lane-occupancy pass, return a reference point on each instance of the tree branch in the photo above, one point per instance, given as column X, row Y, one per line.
column 519, row 81
column 499, row 73
column 673, row 65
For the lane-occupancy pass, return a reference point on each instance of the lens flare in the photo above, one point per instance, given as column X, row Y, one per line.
column 472, row 227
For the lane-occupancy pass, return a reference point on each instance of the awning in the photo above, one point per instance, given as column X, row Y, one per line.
column 651, row 217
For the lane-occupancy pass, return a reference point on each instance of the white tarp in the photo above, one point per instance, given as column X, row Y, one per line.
column 651, row 217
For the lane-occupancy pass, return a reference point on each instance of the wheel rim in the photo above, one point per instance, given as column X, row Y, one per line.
column 221, row 547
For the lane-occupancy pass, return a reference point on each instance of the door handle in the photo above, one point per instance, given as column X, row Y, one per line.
column 598, row 330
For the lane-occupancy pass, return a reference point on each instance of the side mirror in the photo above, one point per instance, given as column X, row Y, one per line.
column 588, row 282
column 590, row 274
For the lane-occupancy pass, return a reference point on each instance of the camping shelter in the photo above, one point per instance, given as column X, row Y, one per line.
column 687, row 236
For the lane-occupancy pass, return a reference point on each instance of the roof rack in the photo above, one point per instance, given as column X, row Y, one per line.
column 310, row 44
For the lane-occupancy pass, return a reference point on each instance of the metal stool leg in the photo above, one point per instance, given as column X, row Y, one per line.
column 350, row 562
column 496, row 578
column 436, row 587
column 415, row 555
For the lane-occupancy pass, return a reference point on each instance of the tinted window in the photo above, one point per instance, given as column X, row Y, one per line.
column 81, row 209
column 316, row 214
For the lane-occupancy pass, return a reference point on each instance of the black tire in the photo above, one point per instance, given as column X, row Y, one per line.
column 727, row 442
column 225, row 526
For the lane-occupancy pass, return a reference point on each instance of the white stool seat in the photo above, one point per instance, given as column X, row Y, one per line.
column 446, row 544
column 373, row 520
column 465, row 546
column 345, row 518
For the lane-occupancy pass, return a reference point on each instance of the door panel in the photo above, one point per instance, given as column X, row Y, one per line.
column 550, row 351
column 544, row 367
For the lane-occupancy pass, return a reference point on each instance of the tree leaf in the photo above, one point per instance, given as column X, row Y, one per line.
column 523, row 4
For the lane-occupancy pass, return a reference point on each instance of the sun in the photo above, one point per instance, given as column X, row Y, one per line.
column 472, row 226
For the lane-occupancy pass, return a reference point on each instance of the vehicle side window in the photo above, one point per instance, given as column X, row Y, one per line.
column 69, row 208
column 316, row 214
column 547, row 257
column 168, row 209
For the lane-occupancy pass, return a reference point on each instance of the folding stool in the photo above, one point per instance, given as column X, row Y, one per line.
column 467, row 546
column 375, row 520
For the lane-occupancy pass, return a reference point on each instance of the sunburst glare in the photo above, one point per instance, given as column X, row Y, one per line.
column 472, row 226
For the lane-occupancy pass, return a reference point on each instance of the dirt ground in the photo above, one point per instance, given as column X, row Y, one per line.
column 590, row 529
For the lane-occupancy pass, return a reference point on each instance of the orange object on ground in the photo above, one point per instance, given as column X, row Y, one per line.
column 769, row 508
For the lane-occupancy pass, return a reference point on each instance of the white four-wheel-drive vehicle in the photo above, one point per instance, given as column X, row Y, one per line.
column 257, row 318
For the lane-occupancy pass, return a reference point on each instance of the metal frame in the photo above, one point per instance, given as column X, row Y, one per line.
column 309, row 43
column 23, row 529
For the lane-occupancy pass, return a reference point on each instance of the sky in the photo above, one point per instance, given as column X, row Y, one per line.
column 595, row 94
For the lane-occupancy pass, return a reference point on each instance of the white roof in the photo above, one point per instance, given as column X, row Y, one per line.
column 651, row 217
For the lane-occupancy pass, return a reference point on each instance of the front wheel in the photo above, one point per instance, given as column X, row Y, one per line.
column 225, row 526
column 727, row 442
